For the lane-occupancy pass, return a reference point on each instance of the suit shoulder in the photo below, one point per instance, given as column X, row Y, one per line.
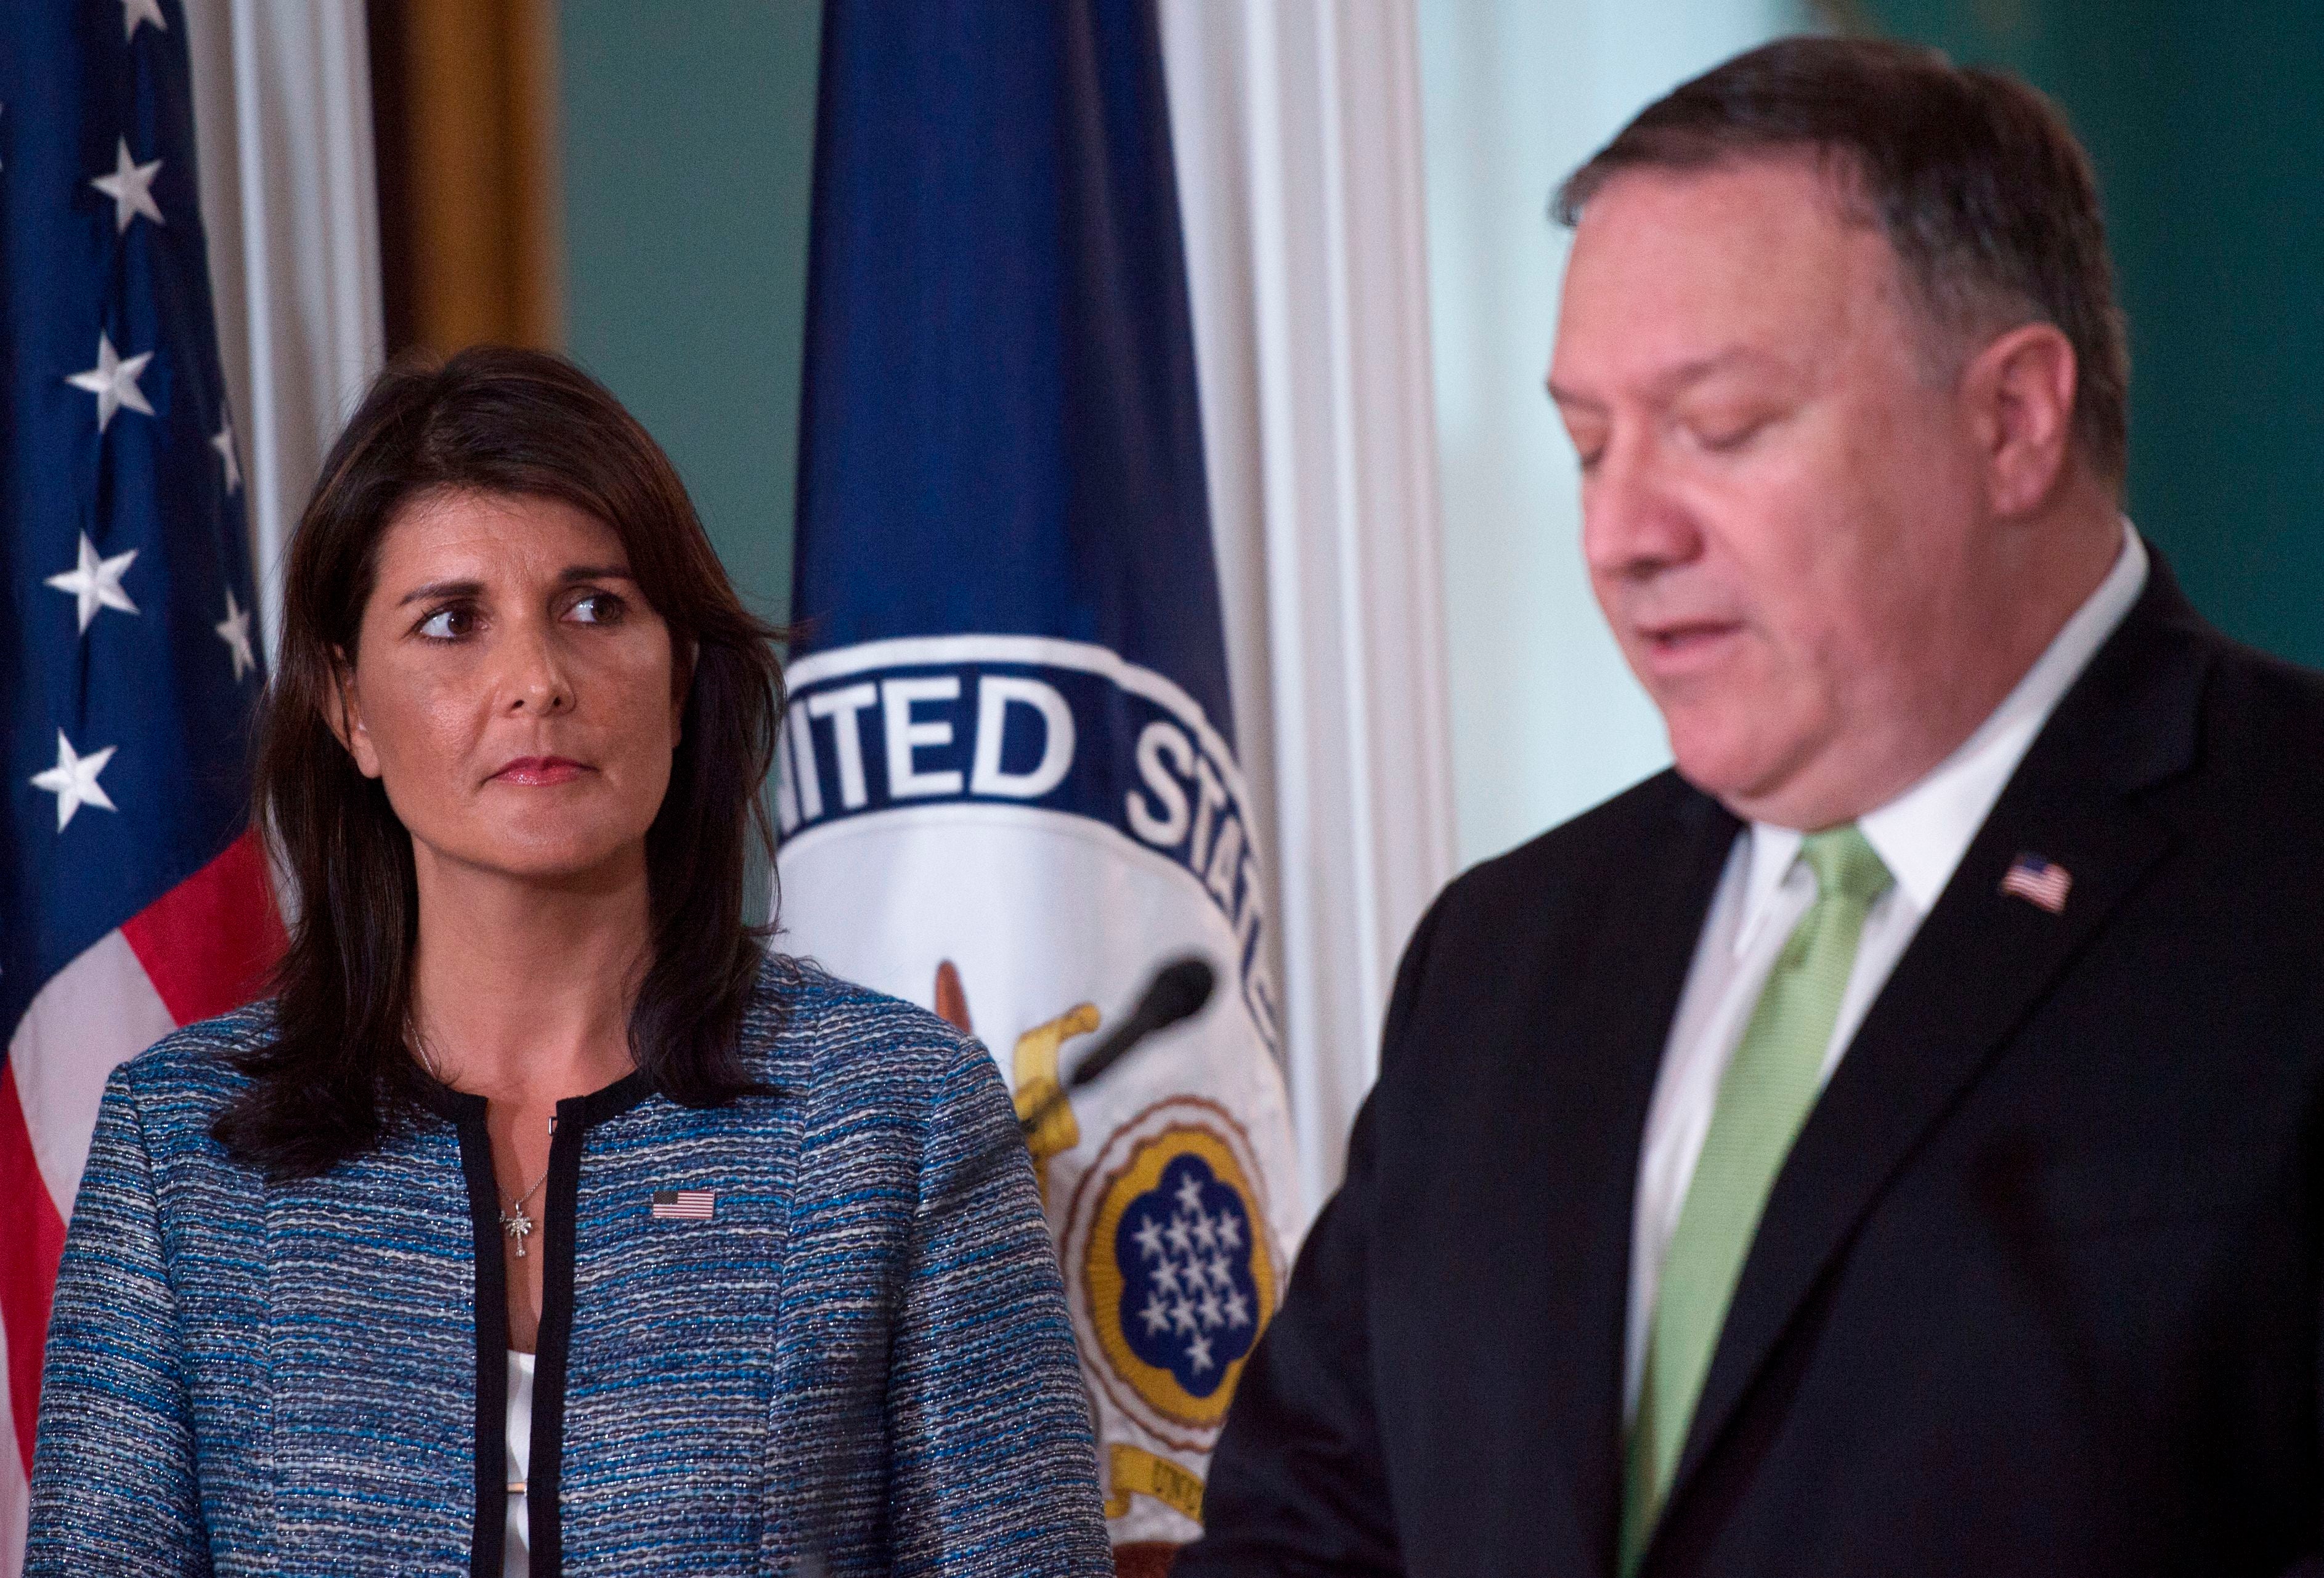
column 1545, row 899
column 908, row 1089
column 198, row 1062
column 840, row 1029
column 180, row 1086
column 1575, row 855
column 2260, row 758
column 2271, row 709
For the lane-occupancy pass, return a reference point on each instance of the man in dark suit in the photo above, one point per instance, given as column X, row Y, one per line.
column 1892, row 1142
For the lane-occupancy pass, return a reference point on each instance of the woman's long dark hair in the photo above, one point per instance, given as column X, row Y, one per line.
column 338, row 1074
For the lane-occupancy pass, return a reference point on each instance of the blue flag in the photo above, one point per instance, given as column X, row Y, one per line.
column 132, row 899
column 1010, row 787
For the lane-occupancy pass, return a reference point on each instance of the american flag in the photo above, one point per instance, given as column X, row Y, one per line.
column 2039, row 882
column 133, row 898
column 683, row 1205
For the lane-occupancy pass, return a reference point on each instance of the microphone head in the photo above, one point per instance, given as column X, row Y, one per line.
column 1179, row 990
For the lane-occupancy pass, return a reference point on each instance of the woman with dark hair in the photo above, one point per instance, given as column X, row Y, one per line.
column 541, row 1217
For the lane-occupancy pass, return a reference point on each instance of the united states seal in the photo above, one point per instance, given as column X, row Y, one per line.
column 1174, row 1266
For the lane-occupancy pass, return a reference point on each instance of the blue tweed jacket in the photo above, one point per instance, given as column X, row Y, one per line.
column 860, row 1363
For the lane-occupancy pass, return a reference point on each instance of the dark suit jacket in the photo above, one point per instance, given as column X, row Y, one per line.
column 2037, row 1290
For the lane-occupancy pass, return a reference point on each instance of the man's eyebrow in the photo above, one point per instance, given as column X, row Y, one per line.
column 1695, row 371
column 1673, row 378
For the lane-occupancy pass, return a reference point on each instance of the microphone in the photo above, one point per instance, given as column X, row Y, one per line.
column 1177, row 992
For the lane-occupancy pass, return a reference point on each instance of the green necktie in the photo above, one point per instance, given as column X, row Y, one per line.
column 1765, row 1096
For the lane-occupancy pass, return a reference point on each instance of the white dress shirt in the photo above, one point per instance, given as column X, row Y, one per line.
column 516, row 1558
column 1921, row 836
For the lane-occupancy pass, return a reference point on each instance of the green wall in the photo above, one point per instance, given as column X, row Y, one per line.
column 2207, row 125
column 688, row 148
column 689, row 133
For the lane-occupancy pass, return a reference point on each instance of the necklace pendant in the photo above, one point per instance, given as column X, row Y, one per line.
column 518, row 1226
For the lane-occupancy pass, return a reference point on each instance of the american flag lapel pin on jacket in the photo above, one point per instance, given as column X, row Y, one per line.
column 2038, row 882
column 683, row 1205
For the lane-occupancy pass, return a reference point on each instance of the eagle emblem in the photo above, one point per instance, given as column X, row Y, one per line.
column 1176, row 1271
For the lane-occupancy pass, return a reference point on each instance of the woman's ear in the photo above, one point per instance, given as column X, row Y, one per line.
column 344, row 715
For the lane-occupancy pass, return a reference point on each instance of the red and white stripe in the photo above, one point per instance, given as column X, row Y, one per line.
column 200, row 950
column 2038, row 882
column 684, row 1204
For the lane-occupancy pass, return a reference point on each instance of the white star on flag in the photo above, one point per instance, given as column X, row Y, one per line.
column 95, row 583
column 113, row 382
column 235, row 631
column 73, row 780
column 131, row 188
column 223, row 441
column 133, row 12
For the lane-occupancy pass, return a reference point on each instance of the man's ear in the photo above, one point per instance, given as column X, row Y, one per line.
column 344, row 715
column 2020, row 390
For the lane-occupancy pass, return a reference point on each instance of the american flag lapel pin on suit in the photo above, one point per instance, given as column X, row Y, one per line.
column 684, row 1204
column 2037, row 881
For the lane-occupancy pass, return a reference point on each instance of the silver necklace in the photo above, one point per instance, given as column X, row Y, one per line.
column 514, row 1222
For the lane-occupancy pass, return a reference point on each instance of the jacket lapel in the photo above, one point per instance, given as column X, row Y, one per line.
column 1980, row 963
column 1580, row 1119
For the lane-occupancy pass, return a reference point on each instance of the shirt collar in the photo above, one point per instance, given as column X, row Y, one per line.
column 1922, row 834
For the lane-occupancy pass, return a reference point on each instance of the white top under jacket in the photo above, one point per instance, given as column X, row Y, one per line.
column 516, row 1560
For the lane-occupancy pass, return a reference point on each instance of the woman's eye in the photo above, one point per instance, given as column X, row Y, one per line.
column 447, row 624
column 600, row 607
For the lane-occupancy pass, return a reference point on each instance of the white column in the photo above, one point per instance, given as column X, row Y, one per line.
column 1297, row 129
column 1546, row 719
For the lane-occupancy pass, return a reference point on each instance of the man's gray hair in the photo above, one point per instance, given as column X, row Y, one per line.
column 1985, row 195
